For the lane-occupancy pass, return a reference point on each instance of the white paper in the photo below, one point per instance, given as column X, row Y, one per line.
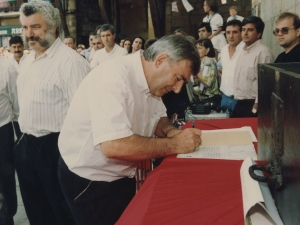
column 237, row 152
column 257, row 199
column 174, row 7
column 187, row 5
column 246, row 128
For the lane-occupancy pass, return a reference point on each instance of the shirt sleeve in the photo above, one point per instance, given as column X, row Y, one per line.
column 265, row 56
column 12, row 90
column 217, row 21
column 75, row 74
column 110, row 118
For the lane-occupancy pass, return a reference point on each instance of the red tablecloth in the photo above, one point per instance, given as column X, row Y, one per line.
column 192, row 191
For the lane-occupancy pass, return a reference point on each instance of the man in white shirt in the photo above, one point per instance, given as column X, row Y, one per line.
column 246, row 70
column 233, row 14
column 9, row 111
column 46, row 84
column 111, row 125
column 17, row 50
column 110, row 50
column 229, row 56
column 70, row 41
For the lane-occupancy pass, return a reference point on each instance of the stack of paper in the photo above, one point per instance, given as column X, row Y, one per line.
column 258, row 204
column 236, row 144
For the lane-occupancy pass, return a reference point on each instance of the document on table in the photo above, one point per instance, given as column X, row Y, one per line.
column 258, row 204
column 233, row 144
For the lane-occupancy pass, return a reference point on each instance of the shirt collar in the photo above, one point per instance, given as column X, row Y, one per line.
column 142, row 82
column 252, row 46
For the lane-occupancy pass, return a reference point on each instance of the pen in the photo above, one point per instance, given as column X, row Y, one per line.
column 193, row 125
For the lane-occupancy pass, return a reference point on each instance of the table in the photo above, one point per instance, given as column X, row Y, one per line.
column 192, row 191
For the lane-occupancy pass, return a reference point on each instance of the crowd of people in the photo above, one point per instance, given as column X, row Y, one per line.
column 75, row 121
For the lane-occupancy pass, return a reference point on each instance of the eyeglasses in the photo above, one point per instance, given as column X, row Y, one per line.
column 283, row 30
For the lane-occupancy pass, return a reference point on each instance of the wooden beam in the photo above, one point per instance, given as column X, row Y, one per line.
column 157, row 9
column 103, row 11
column 62, row 17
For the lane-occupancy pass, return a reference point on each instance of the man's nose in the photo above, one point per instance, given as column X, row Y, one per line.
column 177, row 87
column 28, row 32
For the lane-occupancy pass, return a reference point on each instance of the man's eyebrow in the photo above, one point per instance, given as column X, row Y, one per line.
column 183, row 78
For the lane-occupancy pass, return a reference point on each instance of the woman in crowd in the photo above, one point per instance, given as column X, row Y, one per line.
column 216, row 22
column 137, row 44
column 208, row 75
column 127, row 45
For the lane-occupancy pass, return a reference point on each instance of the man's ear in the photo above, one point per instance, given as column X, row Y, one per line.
column 160, row 59
column 298, row 32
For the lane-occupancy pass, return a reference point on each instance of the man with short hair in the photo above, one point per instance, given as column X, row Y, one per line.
column 233, row 14
column 246, row 70
column 70, row 41
column 111, row 124
column 97, row 42
column 46, row 84
column 9, row 112
column 88, row 53
column 110, row 50
column 287, row 34
column 229, row 56
column 17, row 48
column 204, row 30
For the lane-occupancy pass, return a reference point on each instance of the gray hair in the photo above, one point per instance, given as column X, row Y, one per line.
column 47, row 10
column 177, row 48
column 106, row 27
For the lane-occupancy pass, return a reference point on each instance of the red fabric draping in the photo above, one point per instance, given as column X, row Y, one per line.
column 192, row 191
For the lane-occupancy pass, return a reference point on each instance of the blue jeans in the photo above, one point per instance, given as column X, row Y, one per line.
column 229, row 102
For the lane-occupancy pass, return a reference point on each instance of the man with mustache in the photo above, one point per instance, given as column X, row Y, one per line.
column 246, row 70
column 229, row 56
column 46, row 83
column 16, row 48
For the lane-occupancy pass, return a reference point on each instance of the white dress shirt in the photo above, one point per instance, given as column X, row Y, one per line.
column 102, row 55
column 14, row 62
column 215, row 22
column 246, row 70
column 112, row 102
column 9, row 108
column 46, row 86
column 228, row 67
column 237, row 17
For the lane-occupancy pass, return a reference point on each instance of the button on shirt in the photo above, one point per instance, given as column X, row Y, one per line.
column 112, row 102
column 9, row 108
column 46, row 86
column 102, row 55
column 228, row 67
column 245, row 76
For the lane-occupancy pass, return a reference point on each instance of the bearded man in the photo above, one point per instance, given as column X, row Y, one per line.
column 47, row 81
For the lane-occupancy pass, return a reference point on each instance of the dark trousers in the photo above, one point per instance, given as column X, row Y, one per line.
column 36, row 164
column 8, row 195
column 95, row 202
column 243, row 108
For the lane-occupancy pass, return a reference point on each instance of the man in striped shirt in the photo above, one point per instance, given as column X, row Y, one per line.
column 47, row 81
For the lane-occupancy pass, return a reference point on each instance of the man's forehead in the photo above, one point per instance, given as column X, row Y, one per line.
column 202, row 29
column 233, row 27
column 36, row 18
column 286, row 20
column 105, row 32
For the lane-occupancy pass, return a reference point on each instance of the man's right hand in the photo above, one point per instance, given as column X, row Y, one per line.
column 187, row 140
